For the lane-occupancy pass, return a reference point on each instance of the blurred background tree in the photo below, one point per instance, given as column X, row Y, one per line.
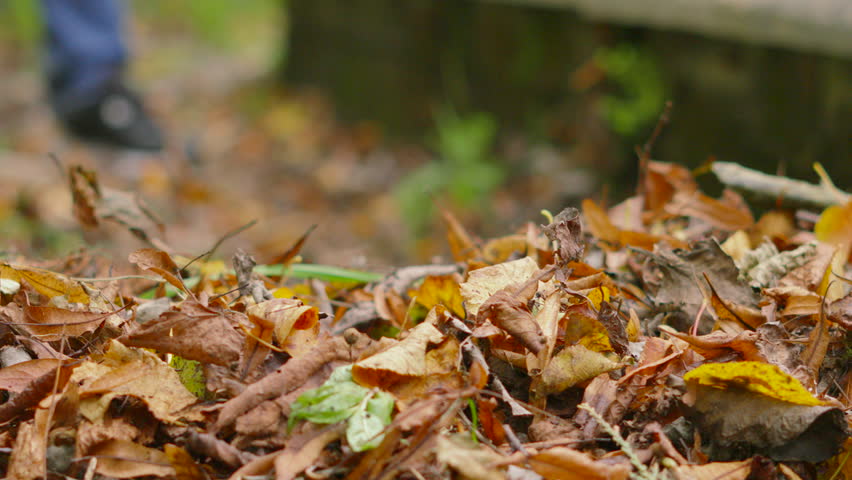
column 768, row 85
column 358, row 114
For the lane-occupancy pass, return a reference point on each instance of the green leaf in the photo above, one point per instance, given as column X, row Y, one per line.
column 364, row 431
column 322, row 272
column 340, row 398
column 336, row 400
column 299, row 270
column 381, row 405
column 327, row 404
column 191, row 375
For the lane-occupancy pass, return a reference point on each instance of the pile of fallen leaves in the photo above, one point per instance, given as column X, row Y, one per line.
column 670, row 336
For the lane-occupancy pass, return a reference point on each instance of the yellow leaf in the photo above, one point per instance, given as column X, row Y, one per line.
column 440, row 290
column 762, row 378
column 834, row 227
column 634, row 328
column 571, row 366
column 184, row 465
column 588, row 332
column 598, row 295
column 45, row 282
column 212, row 268
column 840, row 466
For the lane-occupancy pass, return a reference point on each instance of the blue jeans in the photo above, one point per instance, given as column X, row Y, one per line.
column 85, row 48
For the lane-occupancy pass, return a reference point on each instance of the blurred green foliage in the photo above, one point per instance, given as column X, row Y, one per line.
column 222, row 23
column 29, row 236
column 20, row 23
column 465, row 170
column 639, row 90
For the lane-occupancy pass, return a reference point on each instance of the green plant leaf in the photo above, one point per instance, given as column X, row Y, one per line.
column 381, row 405
column 363, row 431
column 336, row 400
column 191, row 375
column 340, row 398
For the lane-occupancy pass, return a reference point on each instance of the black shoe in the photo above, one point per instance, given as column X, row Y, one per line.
column 117, row 117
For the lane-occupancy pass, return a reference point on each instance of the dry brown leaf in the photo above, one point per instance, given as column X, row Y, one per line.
column 502, row 249
column 738, row 423
column 662, row 180
column 17, row 377
column 840, row 312
column 547, row 317
column 813, row 355
column 573, row 365
column 183, row 464
column 199, row 334
column 568, row 464
column 716, row 470
column 681, row 278
column 93, row 203
column 303, row 451
column 51, row 381
column 484, row 282
column 810, row 276
column 470, row 460
column 125, row 459
column 284, row 315
column 405, row 359
column 50, row 324
column 461, row 245
column 601, row 227
column 507, row 311
column 293, row 375
column 730, row 213
column 159, row 262
column 28, row 454
column 134, row 372
column 615, row 327
column 567, row 231
column 716, row 343
column 90, row 434
column 729, row 311
column 774, row 224
column 490, row 419
column 599, row 223
column 300, row 342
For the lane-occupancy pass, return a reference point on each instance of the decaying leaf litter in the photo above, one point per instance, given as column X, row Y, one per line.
column 670, row 336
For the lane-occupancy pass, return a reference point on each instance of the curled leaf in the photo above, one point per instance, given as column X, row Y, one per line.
column 567, row 231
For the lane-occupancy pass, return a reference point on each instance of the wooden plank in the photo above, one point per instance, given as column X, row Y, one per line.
column 823, row 26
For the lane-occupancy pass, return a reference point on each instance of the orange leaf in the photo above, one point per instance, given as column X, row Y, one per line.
column 567, row 464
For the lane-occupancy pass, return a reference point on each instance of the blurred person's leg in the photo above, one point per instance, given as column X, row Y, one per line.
column 86, row 56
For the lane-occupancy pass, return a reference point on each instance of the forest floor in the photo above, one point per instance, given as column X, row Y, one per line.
column 672, row 335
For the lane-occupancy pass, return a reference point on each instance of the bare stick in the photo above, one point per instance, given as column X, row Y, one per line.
column 792, row 192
